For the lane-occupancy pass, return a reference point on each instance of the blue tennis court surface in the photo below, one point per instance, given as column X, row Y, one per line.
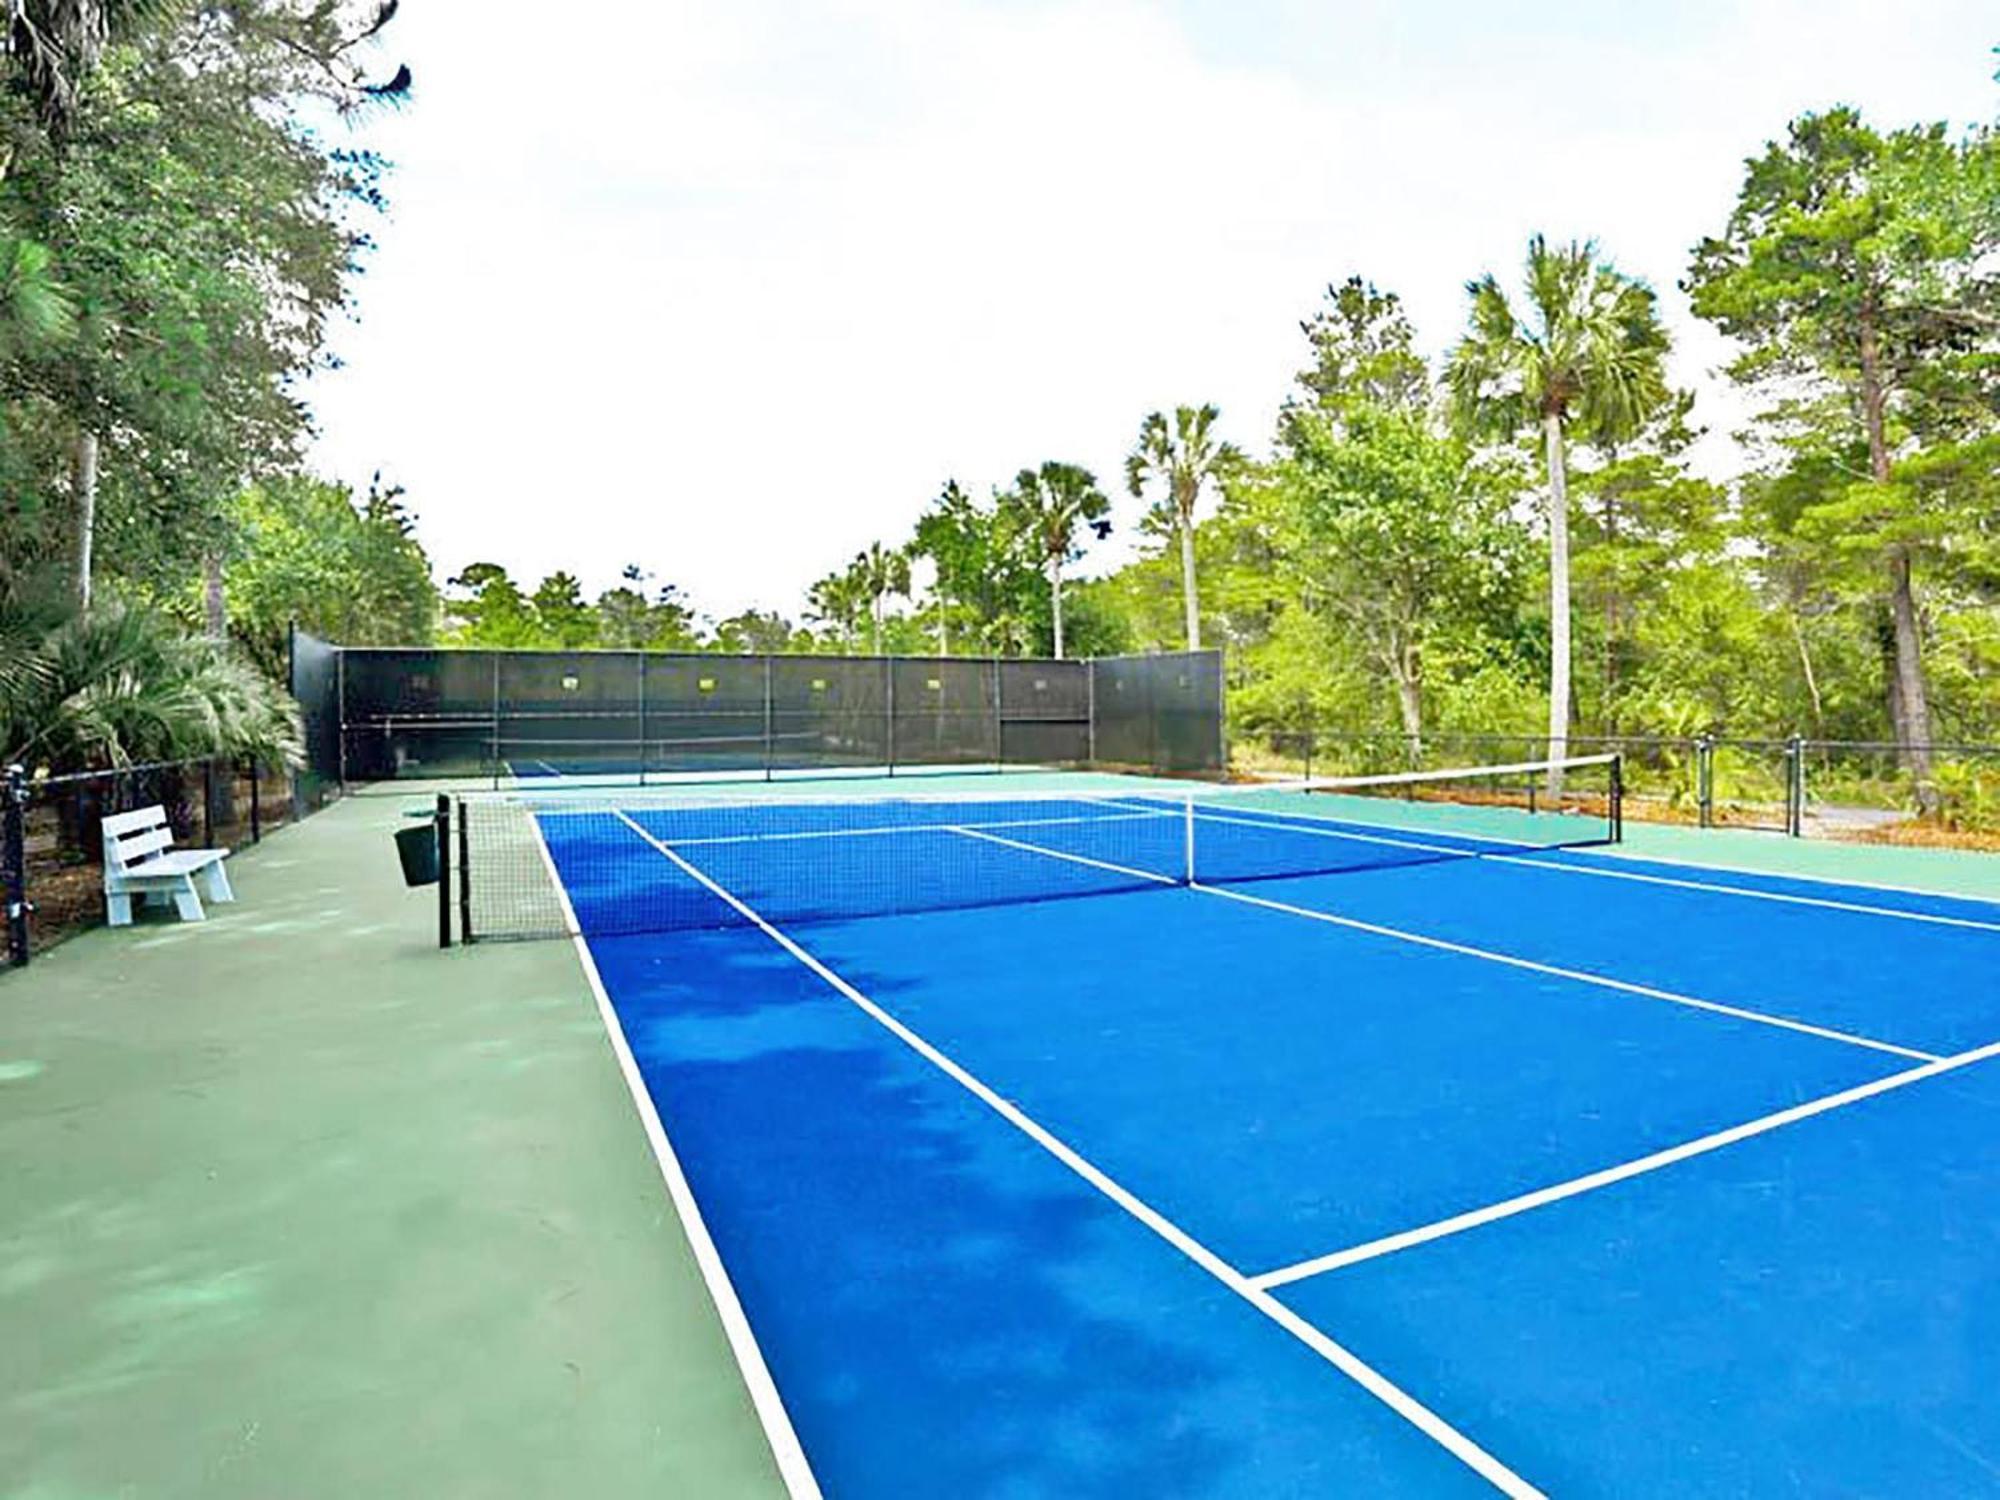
column 1430, row 1160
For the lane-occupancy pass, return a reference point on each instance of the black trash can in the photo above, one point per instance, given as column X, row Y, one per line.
column 417, row 848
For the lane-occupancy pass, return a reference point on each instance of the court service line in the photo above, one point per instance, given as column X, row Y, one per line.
column 1349, row 1364
column 1303, row 823
column 1541, row 1197
column 786, row 1450
column 1580, row 976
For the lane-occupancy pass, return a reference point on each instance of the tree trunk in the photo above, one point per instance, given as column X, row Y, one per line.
column 215, row 610
column 83, row 488
column 1909, row 704
column 1189, row 593
column 1612, row 615
column 1055, row 601
column 1552, row 437
column 1406, row 667
column 1812, row 679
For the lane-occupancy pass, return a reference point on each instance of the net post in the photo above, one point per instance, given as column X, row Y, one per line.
column 1618, row 799
column 1704, row 781
column 999, row 717
column 14, row 862
column 441, row 821
column 1187, row 805
column 465, row 932
column 642, row 719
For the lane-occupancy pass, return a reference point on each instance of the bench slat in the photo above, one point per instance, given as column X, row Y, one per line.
column 144, row 817
column 173, row 866
column 137, row 846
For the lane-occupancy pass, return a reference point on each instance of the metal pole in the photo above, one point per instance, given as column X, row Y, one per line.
column 1190, row 838
column 465, row 932
column 256, row 805
column 999, row 718
column 1221, row 716
column 497, row 760
column 14, row 862
column 642, row 718
column 442, row 824
column 1618, row 800
column 889, row 683
column 769, row 748
column 1090, row 698
column 1704, row 780
column 1795, row 786
column 340, row 713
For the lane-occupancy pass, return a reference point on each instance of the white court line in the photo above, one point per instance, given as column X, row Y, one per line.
column 1581, row 976
column 1299, row 823
column 1349, row 1364
column 786, row 1450
column 880, row 830
column 1459, row 1223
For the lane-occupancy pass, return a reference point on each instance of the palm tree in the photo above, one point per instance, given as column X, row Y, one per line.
column 1184, row 457
column 1049, row 504
column 881, row 571
column 54, row 45
column 1588, row 351
column 838, row 600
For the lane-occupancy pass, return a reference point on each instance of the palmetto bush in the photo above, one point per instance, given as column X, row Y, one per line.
column 124, row 685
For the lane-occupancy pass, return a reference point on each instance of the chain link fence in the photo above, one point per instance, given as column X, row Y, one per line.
column 1805, row 788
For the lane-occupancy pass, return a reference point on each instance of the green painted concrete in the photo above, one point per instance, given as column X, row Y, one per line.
column 1948, row 872
column 293, row 1205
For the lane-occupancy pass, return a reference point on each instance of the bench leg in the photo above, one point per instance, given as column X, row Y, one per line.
column 187, row 903
column 118, row 908
column 218, row 884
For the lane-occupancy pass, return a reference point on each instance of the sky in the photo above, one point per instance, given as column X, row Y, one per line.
column 727, row 289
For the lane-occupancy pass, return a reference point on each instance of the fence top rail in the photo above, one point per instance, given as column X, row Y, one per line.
column 1719, row 741
column 647, row 652
column 114, row 773
column 1949, row 747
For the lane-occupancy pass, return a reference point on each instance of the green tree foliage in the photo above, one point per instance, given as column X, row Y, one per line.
column 346, row 570
column 1856, row 272
column 124, row 685
column 988, row 576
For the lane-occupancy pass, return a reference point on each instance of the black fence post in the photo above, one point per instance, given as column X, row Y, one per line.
column 14, row 863
column 256, row 805
column 443, row 826
column 1704, row 781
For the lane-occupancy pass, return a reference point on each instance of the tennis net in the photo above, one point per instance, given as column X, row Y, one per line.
column 551, row 865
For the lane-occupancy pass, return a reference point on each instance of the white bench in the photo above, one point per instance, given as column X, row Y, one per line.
column 140, row 860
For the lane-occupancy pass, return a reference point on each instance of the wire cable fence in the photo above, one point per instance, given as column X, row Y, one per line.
column 1865, row 791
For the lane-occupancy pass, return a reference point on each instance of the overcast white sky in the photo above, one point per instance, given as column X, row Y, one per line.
column 728, row 288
